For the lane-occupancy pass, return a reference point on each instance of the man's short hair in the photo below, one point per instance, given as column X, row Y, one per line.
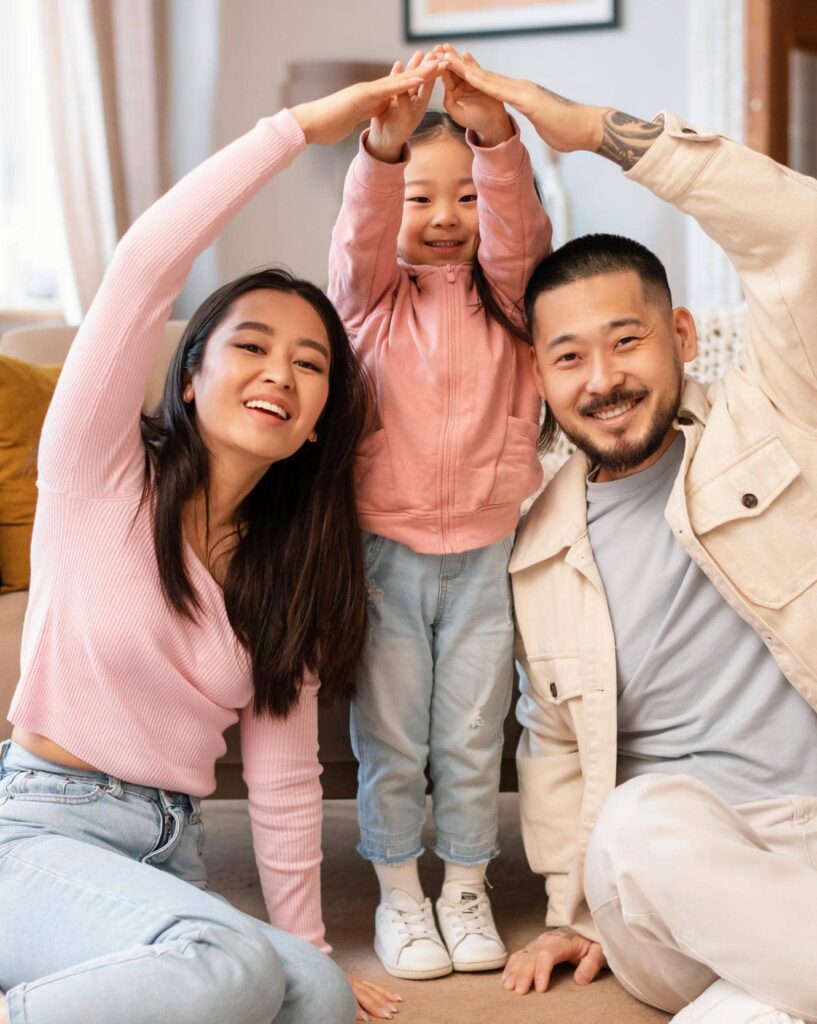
column 592, row 255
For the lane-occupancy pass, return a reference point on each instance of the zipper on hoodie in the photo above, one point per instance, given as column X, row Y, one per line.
column 445, row 504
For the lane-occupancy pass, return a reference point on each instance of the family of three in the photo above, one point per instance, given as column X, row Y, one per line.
column 203, row 565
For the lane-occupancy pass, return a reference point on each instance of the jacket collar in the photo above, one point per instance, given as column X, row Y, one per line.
column 558, row 519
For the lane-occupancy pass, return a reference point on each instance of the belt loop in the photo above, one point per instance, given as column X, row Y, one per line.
column 114, row 787
column 5, row 746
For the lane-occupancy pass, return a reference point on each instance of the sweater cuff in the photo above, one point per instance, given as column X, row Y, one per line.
column 503, row 161
column 376, row 175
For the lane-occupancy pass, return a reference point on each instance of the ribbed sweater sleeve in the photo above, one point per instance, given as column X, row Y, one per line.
column 282, row 772
column 514, row 229
column 90, row 443
column 363, row 268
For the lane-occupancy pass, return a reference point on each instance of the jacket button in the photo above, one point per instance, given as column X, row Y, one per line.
column 749, row 501
column 553, row 691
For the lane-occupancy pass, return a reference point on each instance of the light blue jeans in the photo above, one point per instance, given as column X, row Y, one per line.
column 104, row 918
column 433, row 690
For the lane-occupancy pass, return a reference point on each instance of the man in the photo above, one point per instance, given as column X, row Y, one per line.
column 665, row 586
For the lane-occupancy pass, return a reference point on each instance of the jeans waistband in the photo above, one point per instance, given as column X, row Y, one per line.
column 13, row 757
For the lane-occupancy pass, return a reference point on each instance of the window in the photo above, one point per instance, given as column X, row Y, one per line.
column 31, row 232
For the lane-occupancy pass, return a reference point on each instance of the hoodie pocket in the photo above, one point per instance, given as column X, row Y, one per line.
column 375, row 482
column 519, row 471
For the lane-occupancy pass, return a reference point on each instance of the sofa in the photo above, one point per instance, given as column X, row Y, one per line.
column 49, row 345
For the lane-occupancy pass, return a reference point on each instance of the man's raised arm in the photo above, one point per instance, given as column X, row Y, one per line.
column 564, row 125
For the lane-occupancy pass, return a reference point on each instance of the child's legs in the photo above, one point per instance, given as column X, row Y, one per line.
column 473, row 680
column 390, row 713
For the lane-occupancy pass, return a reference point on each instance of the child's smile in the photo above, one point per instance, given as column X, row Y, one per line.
column 440, row 224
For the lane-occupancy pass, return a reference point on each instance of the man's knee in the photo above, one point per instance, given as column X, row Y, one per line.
column 635, row 831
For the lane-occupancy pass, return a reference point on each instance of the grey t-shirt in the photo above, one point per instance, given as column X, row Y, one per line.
column 698, row 692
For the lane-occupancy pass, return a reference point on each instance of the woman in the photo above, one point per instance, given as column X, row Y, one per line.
column 188, row 570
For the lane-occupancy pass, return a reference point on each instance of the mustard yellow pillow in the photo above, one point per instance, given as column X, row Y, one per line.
column 25, row 391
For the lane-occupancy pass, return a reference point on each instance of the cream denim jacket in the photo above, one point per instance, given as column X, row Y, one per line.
column 744, row 505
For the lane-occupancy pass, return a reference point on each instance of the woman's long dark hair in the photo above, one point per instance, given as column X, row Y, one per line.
column 295, row 589
column 434, row 123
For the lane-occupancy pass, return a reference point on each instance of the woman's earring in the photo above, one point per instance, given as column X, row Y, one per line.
column 313, row 437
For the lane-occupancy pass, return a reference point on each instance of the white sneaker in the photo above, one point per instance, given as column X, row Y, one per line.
column 406, row 938
column 467, row 925
column 725, row 1003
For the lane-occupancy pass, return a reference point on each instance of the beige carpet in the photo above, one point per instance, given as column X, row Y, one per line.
column 350, row 895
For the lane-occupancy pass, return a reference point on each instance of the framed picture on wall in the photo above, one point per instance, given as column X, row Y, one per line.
column 445, row 19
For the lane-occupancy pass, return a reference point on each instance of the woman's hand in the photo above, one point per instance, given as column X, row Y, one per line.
column 373, row 1000
column 563, row 124
column 472, row 108
column 534, row 964
column 392, row 126
column 333, row 117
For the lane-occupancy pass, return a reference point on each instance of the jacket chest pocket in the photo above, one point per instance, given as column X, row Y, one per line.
column 757, row 522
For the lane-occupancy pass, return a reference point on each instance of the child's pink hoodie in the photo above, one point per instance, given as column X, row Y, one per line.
column 454, row 452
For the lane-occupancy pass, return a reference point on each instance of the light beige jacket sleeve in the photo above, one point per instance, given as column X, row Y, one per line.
column 764, row 216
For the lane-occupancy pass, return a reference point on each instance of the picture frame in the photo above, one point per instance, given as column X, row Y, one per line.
column 463, row 19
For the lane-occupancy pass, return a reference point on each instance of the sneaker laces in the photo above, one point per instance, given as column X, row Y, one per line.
column 416, row 924
column 472, row 915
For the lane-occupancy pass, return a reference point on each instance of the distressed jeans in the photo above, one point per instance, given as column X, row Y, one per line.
column 433, row 690
column 104, row 917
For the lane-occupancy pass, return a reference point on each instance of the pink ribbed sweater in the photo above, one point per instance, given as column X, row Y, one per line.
column 108, row 672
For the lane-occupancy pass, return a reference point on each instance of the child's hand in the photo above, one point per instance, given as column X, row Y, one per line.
column 392, row 126
column 470, row 106
column 563, row 124
column 331, row 118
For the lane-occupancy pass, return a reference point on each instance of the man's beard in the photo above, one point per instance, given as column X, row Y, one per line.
column 627, row 455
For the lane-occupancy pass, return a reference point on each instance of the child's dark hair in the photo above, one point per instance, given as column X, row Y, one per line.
column 434, row 123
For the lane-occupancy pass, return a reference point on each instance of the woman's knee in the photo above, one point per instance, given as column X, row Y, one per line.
column 240, row 977
column 316, row 990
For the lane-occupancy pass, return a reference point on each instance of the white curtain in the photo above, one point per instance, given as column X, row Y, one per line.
column 104, row 64
column 717, row 101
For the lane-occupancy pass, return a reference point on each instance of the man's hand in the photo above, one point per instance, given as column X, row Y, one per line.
column 564, row 125
column 393, row 125
column 534, row 964
column 331, row 118
column 373, row 1000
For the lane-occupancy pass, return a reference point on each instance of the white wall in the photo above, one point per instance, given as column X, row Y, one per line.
column 641, row 67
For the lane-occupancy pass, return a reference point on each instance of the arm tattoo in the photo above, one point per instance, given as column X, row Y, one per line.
column 626, row 139
column 556, row 96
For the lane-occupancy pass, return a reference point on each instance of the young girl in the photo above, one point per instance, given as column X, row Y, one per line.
column 186, row 573
column 429, row 259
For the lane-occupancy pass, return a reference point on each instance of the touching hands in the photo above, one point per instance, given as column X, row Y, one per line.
column 563, row 124
column 533, row 965
column 332, row 117
column 373, row 1000
column 470, row 106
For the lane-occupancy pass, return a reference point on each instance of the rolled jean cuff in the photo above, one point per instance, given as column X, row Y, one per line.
column 457, row 852
column 389, row 852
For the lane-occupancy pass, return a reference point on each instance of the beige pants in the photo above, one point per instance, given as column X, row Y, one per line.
column 684, row 889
